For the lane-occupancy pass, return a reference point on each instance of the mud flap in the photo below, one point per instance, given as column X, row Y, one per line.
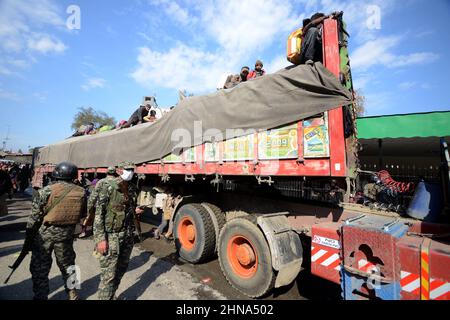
column 285, row 247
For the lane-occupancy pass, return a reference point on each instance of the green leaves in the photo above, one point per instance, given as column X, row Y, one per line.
column 86, row 115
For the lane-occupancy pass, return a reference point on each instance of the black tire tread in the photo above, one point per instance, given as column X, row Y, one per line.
column 210, row 238
column 263, row 291
column 220, row 218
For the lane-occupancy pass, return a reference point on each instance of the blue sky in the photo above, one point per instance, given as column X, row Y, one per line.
column 127, row 49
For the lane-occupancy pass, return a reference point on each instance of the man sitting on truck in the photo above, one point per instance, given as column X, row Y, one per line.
column 312, row 39
column 138, row 116
column 258, row 71
column 234, row 80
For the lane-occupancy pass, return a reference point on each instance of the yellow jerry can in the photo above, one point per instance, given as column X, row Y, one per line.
column 294, row 46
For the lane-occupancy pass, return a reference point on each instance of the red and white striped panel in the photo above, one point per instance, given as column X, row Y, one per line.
column 367, row 266
column 410, row 282
column 439, row 290
column 326, row 258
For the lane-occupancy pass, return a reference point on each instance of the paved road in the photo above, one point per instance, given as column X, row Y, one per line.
column 155, row 271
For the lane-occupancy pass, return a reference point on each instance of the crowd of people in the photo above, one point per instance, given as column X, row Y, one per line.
column 13, row 178
column 147, row 112
column 109, row 205
column 245, row 75
column 311, row 50
column 60, row 206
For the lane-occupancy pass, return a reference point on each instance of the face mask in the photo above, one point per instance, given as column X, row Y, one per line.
column 127, row 175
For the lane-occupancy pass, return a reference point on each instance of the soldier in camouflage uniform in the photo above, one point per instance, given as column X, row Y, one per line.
column 92, row 200
column 56, row 209
column 114, row 228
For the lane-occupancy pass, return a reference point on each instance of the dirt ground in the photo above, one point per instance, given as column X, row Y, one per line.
column 155, row 272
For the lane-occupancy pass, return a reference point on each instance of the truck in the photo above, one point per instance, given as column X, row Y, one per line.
column 283, row 199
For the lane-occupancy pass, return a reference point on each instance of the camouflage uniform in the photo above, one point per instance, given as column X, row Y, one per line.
column 114, row 264
column 92, row 200
column 49, row 238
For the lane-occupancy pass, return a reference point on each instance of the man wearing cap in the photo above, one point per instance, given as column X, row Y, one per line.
column 258, row 71
column 92, row 201
column 234, row 80
column 114, row 229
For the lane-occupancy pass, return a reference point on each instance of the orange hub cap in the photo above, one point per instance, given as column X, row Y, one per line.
column 242, row 257
column 187, row 233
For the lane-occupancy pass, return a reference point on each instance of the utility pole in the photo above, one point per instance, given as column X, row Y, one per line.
column 5, row 140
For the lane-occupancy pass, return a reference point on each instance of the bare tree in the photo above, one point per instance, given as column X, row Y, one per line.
column 86, row 115
column 360, row 103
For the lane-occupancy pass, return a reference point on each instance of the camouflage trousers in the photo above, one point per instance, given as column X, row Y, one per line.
column 51, row 239
column 114, row 265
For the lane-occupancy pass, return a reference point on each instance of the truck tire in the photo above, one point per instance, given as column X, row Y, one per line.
column 245, row 258
column 218, row 219
column 194, row 233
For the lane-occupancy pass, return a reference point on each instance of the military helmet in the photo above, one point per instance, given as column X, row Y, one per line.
column 111, row 170
column 65, row 171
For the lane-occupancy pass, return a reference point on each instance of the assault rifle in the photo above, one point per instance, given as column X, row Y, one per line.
column 27, row 245
column 31, row 234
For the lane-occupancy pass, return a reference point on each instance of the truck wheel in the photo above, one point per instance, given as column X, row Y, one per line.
column 218, row 219
column 245, row 259
column 194, row 233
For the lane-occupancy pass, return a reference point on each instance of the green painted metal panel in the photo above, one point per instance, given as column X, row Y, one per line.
column 433, row 124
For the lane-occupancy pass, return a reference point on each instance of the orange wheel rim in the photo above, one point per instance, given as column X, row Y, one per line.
column 187, row 233
column 242, row 257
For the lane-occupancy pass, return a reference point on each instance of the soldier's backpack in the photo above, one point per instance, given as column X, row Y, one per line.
column 64, row 205
column 115, row 209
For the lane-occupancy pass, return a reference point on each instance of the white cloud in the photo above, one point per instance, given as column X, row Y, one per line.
column 40, row 96
column 93, row 83
column 8, row 95
column 146, row 37
column 414, row 58
column 356, row 15
column 361, row 81
column 5, row 71
column 19, row 63
column 182, row 67
column 407, row 85
column 234, row 29
column 175, row 11
column 378, row 102
column 8, row 66
column 19, row 19
column 44, row 44
column 243, row 27
column 380, row 52
column 278, row 63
